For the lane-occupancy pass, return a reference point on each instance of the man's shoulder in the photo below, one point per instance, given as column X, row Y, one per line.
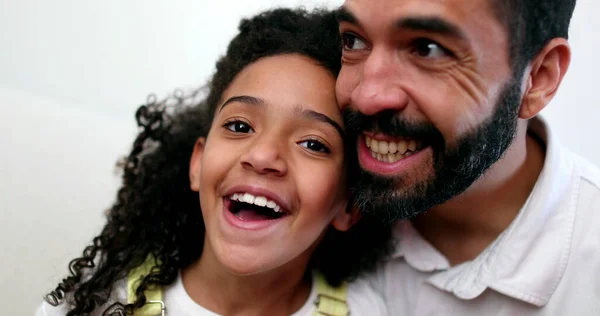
column 365, row 297
column 587, row 177
column 589, row 172
column 582, row 256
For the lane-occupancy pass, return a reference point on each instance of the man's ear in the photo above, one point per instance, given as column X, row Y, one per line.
column 196, row 164
column 548, row 69
column 345, row 219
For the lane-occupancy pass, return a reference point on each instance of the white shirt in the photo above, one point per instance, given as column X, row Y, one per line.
column 362, row 300
column 547, row 262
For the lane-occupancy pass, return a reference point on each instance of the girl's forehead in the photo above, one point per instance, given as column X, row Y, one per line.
column 287, row 82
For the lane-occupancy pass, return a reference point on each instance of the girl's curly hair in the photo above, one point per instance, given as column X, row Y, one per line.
column 157, row 214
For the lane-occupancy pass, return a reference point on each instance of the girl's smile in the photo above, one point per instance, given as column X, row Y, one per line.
column 254, row 208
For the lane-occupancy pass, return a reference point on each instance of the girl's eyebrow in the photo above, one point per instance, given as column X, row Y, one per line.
column 309, row 114
column 317, row 116
column 244, row 99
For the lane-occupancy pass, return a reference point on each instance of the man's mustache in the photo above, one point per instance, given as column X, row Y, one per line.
column 390, row 123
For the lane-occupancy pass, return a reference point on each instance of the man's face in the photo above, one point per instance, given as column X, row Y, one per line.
column 430, row 97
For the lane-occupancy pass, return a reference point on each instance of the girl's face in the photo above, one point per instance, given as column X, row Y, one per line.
column 271, row 172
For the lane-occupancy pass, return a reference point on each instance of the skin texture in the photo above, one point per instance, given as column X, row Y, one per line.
column 290, row 144
column 445, row 65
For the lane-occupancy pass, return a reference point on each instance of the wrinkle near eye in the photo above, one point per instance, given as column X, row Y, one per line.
column 474, row 86
column 465, row 76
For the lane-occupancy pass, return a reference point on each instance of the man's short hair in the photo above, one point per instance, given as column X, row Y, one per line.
column 531, row 24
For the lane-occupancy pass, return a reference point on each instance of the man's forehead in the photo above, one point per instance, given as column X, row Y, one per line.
column 387, row 11
column 464, row 20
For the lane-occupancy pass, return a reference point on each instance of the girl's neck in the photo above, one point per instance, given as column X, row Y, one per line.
column 282, row 291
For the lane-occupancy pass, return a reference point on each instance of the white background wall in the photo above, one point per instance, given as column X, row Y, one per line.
column 72, row 72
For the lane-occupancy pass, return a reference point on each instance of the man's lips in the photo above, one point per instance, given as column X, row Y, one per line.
column 391, row 149
column 403, row 155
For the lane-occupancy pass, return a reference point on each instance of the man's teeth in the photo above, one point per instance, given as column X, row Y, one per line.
column 256, row 200
column 392, row 151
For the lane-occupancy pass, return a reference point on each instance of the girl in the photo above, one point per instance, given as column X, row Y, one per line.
column 237, row 204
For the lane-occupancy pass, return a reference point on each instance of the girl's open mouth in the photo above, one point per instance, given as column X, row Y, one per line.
column 250, row 208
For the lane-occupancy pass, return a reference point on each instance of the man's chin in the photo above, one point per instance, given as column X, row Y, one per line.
column 390, row 198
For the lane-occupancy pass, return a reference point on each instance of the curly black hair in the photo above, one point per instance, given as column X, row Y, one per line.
column 157, row 214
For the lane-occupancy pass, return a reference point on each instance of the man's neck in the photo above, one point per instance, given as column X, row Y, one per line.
column 280, row 292
column 464, row 226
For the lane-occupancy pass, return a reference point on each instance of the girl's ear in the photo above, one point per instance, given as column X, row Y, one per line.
column 345, row 219
column 196, row 164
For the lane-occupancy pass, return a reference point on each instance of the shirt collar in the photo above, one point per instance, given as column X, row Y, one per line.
column 528, row 259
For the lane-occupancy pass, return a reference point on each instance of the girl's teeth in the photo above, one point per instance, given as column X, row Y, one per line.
column 248, row 198
column 256, row 200
column 260, row 201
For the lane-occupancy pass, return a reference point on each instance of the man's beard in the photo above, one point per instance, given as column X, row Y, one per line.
column 455, row 167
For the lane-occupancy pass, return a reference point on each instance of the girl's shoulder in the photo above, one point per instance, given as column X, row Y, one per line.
column 361, row 298
column 357, row 297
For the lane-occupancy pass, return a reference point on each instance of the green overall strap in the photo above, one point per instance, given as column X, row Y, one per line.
column 154, row 302
column 331, row 301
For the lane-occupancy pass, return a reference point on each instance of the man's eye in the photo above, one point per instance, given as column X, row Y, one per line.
column 352, row 42
column 314, row 145
column 429, row 49
column 238, row 127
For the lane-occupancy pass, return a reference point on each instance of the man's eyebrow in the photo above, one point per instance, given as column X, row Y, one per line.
column 431, row 25
column 343, row 15
column 316, row 116
column 246, row 99
column 428, row 24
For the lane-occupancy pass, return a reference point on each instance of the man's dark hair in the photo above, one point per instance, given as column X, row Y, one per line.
column 157, row 214
column 531, row 24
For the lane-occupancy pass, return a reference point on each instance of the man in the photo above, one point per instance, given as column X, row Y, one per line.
column 443, row 97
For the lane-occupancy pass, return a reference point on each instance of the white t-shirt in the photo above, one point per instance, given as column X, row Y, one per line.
column 362, row 300
column 547, row 262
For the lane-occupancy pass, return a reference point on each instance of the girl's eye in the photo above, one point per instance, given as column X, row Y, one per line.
column 352, row 42
column 429, row 49
column 315, row 145
column 238, row 127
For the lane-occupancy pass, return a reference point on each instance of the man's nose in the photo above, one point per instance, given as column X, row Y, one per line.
column 379, row 88
column 264, row 157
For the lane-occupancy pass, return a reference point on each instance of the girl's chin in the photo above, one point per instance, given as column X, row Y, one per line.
column 243, row 267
